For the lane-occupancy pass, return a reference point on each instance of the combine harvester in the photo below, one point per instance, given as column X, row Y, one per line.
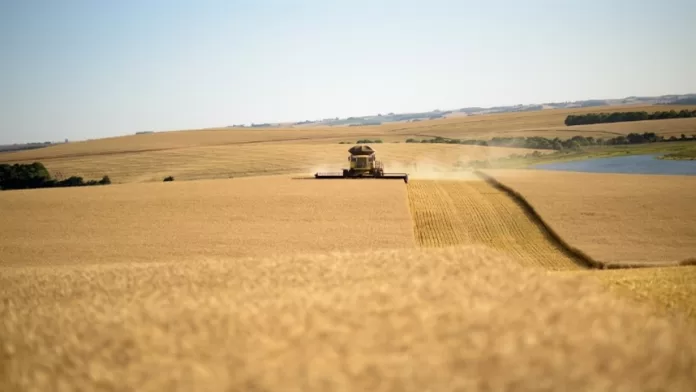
column 364, row 164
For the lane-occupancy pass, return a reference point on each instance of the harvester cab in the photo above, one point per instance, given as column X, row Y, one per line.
column 363, row 163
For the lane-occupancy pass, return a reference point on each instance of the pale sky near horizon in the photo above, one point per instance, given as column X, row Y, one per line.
column 82, row 69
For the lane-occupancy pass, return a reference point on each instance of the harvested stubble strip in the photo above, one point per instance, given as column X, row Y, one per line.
column 473, row 212
column 428, row 319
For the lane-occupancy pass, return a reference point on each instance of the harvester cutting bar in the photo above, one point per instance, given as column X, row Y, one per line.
column 385, row 176
column 395, row 176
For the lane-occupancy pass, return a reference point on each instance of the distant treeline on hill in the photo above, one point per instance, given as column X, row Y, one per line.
column 26, row 146
column 35, row 175
column 363, row 141
column 574, row 143
column 600, row 118
column 364, row 123
column 684, row 101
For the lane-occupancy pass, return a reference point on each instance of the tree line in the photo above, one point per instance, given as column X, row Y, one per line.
column 363, row 141
column 600, row 118
column 574, row 143
column 35, row 175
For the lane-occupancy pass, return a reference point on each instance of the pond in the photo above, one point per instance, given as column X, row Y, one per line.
column 634, row 164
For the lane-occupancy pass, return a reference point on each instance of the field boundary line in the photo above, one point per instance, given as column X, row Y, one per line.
column 587, row 261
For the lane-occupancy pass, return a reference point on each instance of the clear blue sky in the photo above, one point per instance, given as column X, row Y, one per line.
column 82, row 69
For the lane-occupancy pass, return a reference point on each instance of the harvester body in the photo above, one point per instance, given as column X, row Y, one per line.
column 363, row 163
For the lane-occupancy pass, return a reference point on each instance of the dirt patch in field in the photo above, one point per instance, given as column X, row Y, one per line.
column 436, row 319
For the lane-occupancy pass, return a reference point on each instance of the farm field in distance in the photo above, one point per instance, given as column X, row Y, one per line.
column 262, row 159
column 547, row 123
column 274, row 280
column 240, row 152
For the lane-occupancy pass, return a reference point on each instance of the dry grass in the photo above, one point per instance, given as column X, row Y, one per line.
column 200, row 219
column 454, row 212
column 671, row 289
column 263, row 159
column 437, row 319
column 614, row 218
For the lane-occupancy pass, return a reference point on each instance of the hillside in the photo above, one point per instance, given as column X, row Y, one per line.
column 284, row 282
column 547, row 123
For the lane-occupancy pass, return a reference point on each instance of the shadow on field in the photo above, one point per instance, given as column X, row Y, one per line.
column 339, row 178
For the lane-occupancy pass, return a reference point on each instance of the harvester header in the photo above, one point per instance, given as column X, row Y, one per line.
column 363, row 165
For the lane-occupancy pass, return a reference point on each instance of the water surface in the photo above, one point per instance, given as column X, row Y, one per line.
column 634, row 164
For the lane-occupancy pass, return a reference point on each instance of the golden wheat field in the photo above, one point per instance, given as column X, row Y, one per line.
column 666, row 128
column 614, row 218
column 181, row 221
column 456, row 212
column 238, row 152
column 547, row 123
column 413, row 320
column 666, row 289
column 262, row 159
column 549, row 127
column 277, row 281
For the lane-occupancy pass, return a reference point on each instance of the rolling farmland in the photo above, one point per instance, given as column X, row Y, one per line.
column 276, row 282
column 259, row 159
column 547, row 123
column 615, row 219
column 246, row 197
column 547, row 128
column 235, row 152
